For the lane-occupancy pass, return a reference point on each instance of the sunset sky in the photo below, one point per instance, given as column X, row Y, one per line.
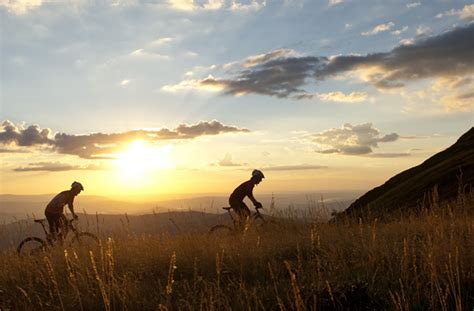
column 144, row 97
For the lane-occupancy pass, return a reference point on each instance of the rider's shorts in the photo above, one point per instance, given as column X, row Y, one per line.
column 240, row 208
column 55, row 221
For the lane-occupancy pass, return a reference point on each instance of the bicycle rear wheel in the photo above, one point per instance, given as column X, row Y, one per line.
column 85, row 240
column 31, row 246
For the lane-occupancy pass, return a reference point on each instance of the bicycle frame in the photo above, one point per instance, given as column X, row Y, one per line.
column 68, row 226
column 33, row 244
column 236, row 221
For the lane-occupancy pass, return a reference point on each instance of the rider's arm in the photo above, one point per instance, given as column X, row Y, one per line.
column 70, row 204
column 252, row 198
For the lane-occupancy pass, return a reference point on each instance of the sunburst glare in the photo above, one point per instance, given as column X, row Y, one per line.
column 140, row 159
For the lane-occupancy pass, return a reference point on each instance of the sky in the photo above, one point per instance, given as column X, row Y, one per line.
column 144, row 98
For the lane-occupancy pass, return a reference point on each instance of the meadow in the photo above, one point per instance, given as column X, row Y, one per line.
column 421, row 261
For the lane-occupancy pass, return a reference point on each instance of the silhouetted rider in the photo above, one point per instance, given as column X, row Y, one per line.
column 236, row 199
column 55, row 209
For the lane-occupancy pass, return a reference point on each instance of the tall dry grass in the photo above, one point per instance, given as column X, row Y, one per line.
column 418, row 262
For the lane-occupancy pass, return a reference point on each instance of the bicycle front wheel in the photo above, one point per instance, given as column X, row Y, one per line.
column 31, row 246
column 85, row 240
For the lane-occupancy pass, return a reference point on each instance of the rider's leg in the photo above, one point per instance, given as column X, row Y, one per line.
column 242, row 211
column 237, row 207
column 53, row 221
column 62, row 226
column 245, row 211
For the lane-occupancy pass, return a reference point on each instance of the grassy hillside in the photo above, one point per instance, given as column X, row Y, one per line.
column 419, row 262
column 440, row 177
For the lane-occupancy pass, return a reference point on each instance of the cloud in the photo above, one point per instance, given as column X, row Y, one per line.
column 255, row 60
column 389, row 155
column 11, row 133
column 413, row 5
column 469, row 95
column 144, row 54
column 423, row 30
column 227, row 161
column 53, row 167
column 466, row 13
column 447, row 54
column 399, row 31
column 454, row 93
column 195, row 84
column 302, row 167
column 191, row 5
column 212, row 5
column 278, row 73
column 378, row 29
column 351, row 139
column 162, row 41
column 103, row 146
column 185, row 5
column 184, row 131
column 335, row 2
column 459, row 100
column 415, row 137
column 191, row 54
column 254, row 5
column 353, row 97
column 20, row 7
column 284, row 73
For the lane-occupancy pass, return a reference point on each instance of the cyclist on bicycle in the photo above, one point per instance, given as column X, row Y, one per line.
column 55, row 209
column 236, row 199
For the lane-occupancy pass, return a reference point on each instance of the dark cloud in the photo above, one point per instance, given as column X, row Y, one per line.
column 32, row 135
column 302, row 167
column 279, row 77
column 53, row 167
column 448, row 54
column 283, row 73
column 352, row 139
column 100, row 145
column 468, row 95
column 184, row 131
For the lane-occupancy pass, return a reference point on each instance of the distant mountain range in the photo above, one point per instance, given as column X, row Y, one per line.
column 18, row 207
column 446, row 171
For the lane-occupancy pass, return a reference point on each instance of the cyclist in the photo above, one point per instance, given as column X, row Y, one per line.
column 55, row 209
column 236, row 199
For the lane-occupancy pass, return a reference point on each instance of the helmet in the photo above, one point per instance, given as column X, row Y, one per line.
column 257, row 173
column 76, row 185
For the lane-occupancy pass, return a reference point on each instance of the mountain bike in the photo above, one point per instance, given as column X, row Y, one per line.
column 32, row 245
column 237, row 227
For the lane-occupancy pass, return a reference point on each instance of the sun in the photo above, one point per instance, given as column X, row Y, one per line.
column 140, row 158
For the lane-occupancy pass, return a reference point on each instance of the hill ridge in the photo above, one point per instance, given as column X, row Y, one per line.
column 444, row 170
